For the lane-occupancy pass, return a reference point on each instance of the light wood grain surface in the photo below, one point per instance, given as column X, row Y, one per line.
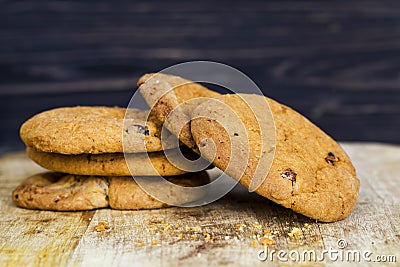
column 229, row 232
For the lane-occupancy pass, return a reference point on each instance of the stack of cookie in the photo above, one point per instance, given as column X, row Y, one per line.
column 266, row 146
column 84, row 146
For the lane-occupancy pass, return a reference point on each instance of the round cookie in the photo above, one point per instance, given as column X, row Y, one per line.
column 110, row 164
column 64, row 192
column 67, row 192
column 309, row 172
column 92, row 130
column 174, row 98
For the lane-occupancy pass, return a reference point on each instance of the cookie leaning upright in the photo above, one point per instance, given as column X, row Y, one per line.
column 172, row 99
column 94, row 130
column 302, row 167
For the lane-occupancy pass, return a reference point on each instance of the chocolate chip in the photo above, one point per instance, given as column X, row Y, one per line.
column 235, row 134
column 331, row 158
column 57, row 199
column 289, row 174
column 142, row 129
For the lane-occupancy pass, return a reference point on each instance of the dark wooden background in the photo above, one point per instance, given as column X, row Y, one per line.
column 337, row 62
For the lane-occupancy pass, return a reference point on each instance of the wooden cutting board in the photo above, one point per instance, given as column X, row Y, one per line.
column 229, row 232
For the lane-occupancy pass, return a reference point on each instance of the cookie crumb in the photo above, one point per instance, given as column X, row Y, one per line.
column 296, row 233
column 154, row 242
column 179, row 236
column 257, row 225
column 207, row 237
column 267, row 241
column 139, row 243
column 102, row 226
column 240, row 226
column 267, row 232
column 254, row 243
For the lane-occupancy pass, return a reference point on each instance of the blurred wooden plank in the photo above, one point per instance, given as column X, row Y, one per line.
column 97, row 85
column 337, row 62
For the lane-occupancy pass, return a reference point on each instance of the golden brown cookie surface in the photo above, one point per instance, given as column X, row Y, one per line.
column 309, row 172
column 94, row 130
column 110, row 164
column 174, row 98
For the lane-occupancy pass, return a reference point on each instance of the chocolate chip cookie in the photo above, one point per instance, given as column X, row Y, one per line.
column 109, row 164
column 92, row 130
column 302, row 168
